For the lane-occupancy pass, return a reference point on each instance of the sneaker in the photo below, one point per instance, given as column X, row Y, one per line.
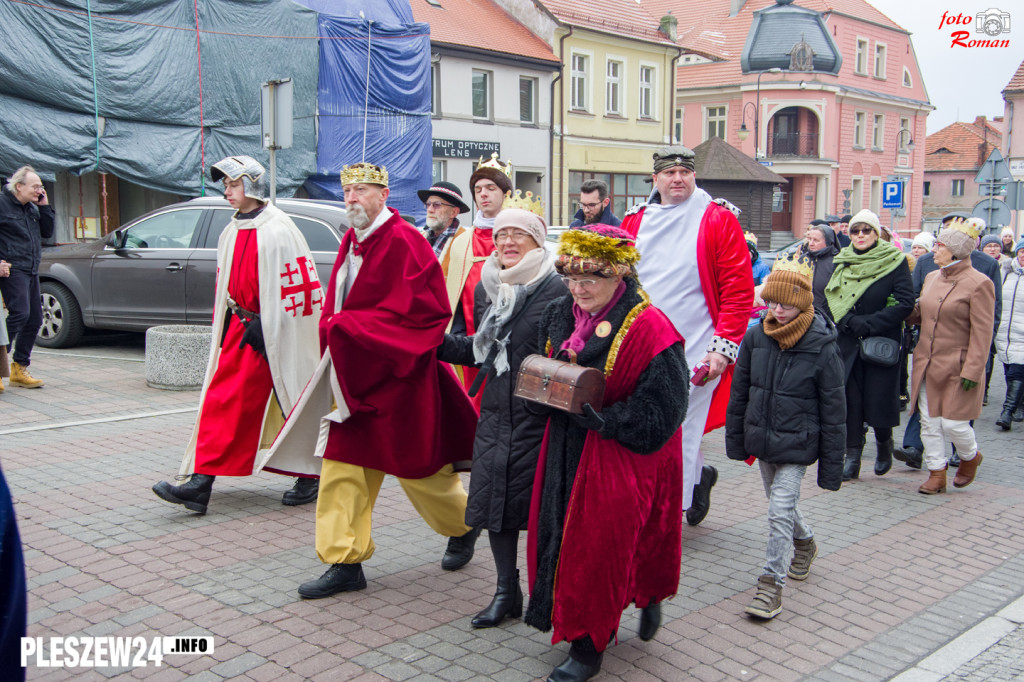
column 767, row 603
column 804, row 554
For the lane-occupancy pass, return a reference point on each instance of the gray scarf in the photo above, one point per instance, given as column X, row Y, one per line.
column 507, row 290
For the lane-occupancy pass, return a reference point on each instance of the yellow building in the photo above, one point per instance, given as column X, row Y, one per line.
column 612, row 103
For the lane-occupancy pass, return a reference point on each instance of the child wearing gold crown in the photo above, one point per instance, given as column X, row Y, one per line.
column 787, row 409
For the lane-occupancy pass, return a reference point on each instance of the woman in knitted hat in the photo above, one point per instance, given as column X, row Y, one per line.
column 606, row 519
column 870, row 294
column 516, row 283
column 1010, row 340
column 1007, row 238
column 956, row 312
column 992, row 246
column 787, row 408
column 923, row 243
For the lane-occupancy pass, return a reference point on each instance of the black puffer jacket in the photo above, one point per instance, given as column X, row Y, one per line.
column 789, row 406
column 508, row 436
column 22, row 229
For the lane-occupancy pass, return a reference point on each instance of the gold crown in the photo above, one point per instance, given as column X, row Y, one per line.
column 526, row 202
column 365, row 173
column 972, row 227
column 505, row 168
column 794, row 262
column 750, row 237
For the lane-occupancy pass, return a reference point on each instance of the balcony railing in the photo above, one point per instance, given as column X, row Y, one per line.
column 793, row 144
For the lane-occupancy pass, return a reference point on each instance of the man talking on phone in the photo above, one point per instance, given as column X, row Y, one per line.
column 26, row 218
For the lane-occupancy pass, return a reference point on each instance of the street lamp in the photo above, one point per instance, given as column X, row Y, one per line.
column 743, row 132
column 910, row 142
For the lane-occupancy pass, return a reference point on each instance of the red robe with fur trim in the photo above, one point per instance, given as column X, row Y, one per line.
column 383, row 345
column 728, row 285
column 622, row 534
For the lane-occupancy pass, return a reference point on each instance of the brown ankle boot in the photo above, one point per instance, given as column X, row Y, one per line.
column 965, row 474
column 936, row 482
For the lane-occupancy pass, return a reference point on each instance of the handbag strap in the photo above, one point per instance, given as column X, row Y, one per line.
column 488, row 365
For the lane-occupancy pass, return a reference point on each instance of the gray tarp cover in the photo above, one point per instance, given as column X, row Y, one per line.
column 147, row 76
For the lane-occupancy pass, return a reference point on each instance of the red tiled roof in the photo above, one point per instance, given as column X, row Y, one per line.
column 962, row 142
column 480, row 24
column 615, row 17
column 705, row 27
column 1016, row 83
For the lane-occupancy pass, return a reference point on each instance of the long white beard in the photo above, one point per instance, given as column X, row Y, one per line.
column 357, row 217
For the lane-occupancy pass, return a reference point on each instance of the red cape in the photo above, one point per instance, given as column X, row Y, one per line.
column 483, row 245
column 384, row 347
column 727, row 281
column 622, row 539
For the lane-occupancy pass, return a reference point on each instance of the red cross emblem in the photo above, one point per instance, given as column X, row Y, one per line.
column 304, row 295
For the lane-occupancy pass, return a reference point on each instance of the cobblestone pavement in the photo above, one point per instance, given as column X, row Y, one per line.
column 899, row 575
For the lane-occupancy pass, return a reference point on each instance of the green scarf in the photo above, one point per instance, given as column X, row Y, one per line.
column 855, row 272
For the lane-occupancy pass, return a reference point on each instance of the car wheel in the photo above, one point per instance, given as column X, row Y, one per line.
column 62, row 317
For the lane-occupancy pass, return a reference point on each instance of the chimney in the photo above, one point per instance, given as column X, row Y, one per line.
column 668, row 26
column 735, row 6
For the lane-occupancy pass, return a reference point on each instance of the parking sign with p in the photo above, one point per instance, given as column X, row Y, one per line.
column 892, row 195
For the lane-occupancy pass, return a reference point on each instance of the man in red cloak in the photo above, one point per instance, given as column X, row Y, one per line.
column 696, row 267
column 464, row 259
column 384, row 314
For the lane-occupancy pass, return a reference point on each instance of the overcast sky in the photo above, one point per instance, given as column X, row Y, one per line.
column 962, row 82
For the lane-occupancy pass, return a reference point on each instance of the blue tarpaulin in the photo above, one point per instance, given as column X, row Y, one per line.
column 395, row 108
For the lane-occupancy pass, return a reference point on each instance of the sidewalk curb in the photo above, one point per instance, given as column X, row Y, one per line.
column 961, row 650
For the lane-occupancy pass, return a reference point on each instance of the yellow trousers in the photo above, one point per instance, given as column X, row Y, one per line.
column 344, row 508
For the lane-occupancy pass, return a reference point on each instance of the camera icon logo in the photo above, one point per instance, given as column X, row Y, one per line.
column 993, row 22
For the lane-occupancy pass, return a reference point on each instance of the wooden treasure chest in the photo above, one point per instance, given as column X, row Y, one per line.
column 560, row 384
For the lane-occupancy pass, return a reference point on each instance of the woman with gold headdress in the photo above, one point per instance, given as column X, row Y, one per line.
column 956, row 312
column 606, row 516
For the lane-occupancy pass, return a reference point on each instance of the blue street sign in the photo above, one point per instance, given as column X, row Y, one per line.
column 892, row 195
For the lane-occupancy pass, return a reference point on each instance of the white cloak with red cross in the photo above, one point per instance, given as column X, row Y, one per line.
column 291, row 299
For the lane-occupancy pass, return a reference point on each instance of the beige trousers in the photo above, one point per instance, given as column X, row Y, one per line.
column 344, row 508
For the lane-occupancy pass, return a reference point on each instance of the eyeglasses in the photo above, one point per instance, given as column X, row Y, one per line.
column 780, row 306
column 860, row 230
column 434, row 205
column 590, row 206
column 511, row 235
column 582, row 283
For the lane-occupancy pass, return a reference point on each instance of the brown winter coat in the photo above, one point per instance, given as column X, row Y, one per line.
column 956, row 311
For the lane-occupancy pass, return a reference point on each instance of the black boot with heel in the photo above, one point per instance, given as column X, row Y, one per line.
column 508, row 601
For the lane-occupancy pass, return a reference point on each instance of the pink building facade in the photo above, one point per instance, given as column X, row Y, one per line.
column 836, row 138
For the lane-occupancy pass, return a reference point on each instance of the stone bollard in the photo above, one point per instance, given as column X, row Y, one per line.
column 176, row 356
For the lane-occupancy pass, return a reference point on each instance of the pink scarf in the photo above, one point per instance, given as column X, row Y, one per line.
column 587, row 323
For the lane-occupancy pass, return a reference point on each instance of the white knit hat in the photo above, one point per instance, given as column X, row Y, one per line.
column 868, row 218
column 523, row 220
column 925, row 239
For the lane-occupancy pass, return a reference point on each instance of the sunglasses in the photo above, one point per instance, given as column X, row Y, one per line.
column 860, row 230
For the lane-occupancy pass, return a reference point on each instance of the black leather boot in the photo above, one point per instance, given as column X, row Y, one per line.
column 508, row 601
column 701, row 499
column 304, row 491
column 337, row 578
column 460, row 550
column 194, row 494
column 884, row 460
column 1014, row 389
column 583, row 663
column 911, row 455
column 851, row 465
column 650, row 621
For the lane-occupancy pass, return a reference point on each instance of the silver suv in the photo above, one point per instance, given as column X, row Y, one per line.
column 160, row 268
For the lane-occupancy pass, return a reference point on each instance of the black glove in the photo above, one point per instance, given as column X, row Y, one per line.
column 253, row 335
column 590, row 419
column 858, row 327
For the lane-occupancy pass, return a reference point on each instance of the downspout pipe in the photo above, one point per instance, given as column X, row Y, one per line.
column 673, row 73
column 559, row 79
